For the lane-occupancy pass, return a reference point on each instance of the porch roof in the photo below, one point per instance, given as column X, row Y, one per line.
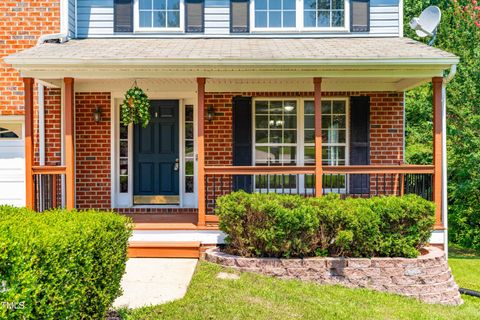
column 233, row 51
column 357, row 58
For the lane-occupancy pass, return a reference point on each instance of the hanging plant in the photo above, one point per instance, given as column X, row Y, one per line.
column 135, row 107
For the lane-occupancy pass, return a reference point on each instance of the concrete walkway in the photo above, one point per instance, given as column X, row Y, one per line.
column 155, row 281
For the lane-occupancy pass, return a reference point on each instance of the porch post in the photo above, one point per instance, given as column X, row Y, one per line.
column 201, row 150
column 438, row 134
column 317, row 84
column 29, row 152
column 69, row 108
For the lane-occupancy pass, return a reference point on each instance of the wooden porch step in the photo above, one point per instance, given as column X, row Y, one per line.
column 164, row 249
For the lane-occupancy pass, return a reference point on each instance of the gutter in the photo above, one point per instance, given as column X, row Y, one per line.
column 446, row 80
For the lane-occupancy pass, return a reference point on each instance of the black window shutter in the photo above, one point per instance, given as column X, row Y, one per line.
column 242, row 140
column 360, row 142
column 239, row 16
column 123, row 15
column 360, row 16
column 194, row 15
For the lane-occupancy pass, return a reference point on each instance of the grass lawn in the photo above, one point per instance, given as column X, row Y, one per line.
column 259, row 297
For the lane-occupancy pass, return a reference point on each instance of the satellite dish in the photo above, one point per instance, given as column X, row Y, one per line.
column 427, row 24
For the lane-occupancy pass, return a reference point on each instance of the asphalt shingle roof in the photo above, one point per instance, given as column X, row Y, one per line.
column 165, row 51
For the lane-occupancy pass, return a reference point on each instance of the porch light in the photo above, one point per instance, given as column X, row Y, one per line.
column 97, row 114
column 210, row 113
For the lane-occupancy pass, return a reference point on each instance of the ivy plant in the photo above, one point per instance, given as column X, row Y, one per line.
column 135, row 107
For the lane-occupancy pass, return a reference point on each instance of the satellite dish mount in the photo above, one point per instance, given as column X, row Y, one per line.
column 427, row 24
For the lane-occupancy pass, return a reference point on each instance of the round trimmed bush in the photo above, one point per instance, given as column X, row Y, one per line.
column 60, row 264
column 272, row 225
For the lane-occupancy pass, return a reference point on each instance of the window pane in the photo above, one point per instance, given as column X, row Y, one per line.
column 145, row 19
column 124, row 167
column 275, row 136
column 309, row 155
column 290, row 107
column 326, row 122
column 159, row 19
column 123, row 184
column 145, row 4
column 10, row 130
column 260, row 4
column 323, row 4
column 290, row 122
column 339, row 121
column 261, row 136
column 123, row 132
column 289, row 155
column 159, row 4
column 274, row 155
column 275, row 4
column 339, row 107
column 323, row 19
column 189, row 148
column 189, row 131
column 309, row 122
column 309, row 107
column 189, row 168
column 261, row 122
column 309, row 136
column 123, row 149
column 310, row 4
column 275, row 19
column 276, row 122
column 326, row 107
column 261, row 19
column 338, row 4
column 289, row 19
column 288, row 4
column 261, row 107
column 309, row 19
column 337, row 19
column 173, row 19
column 189, row 184
column 173, row 4
column 189, row 113
column 290, row 136
column 261, row 154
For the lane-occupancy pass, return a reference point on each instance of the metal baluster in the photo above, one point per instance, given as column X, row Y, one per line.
column 376, row 184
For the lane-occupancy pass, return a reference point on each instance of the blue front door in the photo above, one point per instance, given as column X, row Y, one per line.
column 156, row 155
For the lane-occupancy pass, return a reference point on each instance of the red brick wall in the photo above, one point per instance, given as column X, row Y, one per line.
column 21, row 23
column 92, row 141
column 53, row 131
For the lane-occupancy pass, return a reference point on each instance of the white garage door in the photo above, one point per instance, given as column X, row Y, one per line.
column 12, row 161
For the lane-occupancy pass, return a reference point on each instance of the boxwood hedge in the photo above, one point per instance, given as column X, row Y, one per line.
column 272, row 225
column 60, row 264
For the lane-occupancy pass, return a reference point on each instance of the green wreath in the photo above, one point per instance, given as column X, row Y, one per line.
column 135, row 107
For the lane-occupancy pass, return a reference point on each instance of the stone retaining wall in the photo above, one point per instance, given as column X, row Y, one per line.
column 427, row 278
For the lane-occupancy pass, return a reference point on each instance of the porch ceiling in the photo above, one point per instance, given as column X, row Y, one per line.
column 356, row 58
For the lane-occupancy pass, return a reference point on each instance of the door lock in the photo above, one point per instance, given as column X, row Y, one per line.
column 177, row 165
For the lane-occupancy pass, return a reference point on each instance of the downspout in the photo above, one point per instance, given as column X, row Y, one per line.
column 447, row 79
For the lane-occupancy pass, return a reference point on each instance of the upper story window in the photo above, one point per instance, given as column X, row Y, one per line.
column 159, row 14
column 324, row 13
column 300, row 15
column 275, row 14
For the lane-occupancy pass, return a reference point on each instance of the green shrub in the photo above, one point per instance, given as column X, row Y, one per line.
column 60, row 264
column 271, row 225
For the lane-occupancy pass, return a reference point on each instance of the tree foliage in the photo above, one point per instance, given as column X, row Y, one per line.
column 459, row 33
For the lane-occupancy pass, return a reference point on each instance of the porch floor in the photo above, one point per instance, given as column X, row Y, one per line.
column 161, row 221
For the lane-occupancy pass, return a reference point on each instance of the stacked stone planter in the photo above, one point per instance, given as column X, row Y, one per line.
column 427, row 278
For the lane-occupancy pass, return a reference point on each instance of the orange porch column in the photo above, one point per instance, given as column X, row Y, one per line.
column 201, row 150
column 317, row 84
column 29, row 152
column 437, row 149
column 69, row 109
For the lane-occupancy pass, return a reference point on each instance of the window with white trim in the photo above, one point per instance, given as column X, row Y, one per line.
column 324, row 13
column 123, row 159
column 300, row 15
column 189, row 149
column 159, row 14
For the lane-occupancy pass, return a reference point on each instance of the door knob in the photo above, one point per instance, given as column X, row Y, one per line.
column 177, row 165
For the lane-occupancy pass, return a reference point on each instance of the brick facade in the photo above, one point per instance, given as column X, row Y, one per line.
column 92, row 143
column 21, row 24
